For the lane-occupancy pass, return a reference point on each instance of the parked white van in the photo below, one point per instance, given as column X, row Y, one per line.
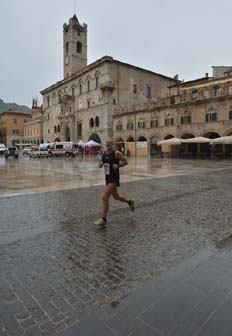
column 44, row 150
column 2, row 148
column 64, row 149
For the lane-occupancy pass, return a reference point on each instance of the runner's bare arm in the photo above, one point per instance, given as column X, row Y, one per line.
column 123, row 161
column 100, row 165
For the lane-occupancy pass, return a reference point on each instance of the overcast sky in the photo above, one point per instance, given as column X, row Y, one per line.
column 166, row 36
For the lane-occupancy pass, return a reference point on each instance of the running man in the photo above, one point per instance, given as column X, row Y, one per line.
column 111, row 161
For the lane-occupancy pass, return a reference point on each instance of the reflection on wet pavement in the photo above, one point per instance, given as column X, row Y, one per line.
column 56, row 266
column 27, row 175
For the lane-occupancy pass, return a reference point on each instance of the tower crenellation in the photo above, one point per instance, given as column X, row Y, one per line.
column 74, row 46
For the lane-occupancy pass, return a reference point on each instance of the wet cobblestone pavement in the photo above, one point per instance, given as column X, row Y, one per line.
column 56, row 267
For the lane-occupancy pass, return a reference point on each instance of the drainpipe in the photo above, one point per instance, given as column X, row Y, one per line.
column 135, row 136
column 118, row 89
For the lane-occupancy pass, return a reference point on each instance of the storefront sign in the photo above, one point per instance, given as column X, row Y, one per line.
column 141, row 144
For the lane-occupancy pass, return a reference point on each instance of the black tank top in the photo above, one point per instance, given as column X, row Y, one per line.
column 111, row 174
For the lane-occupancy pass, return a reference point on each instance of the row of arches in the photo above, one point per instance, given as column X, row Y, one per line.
column 150, row 144
column 201, row 150
column 207, row 134
column 95, row 137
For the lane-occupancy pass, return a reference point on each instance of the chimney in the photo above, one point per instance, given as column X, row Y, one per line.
column 207, row 75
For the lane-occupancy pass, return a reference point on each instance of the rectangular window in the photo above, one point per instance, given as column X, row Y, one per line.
column 185, row 120
column 141, row 124
column 230, row 115
column 48, row 131
column 217, row 91
column 88, row 103
column 169, row 121
column 211, row 117
column 88, row 86
column 15, row 121
column 59, row 98
column 154, row 123
column 80, row 89
column 119, row 127
column 135, row 89
column 48, row 101
column 73, row 91
column 70, row 109
column 130, row 126
column 25, row 121
column 79, row 129
column 148, row 91
column 194, row 94
column 172, row 99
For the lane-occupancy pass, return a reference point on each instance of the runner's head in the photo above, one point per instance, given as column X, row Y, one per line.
column 109, row 144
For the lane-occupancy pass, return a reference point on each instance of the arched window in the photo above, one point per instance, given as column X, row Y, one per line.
column 58, row 128
column 97, row 81
column 67, row 47
column 91, row 122
column 97, row 122
column 79, row 47
column 88, row 85
column 55, row 129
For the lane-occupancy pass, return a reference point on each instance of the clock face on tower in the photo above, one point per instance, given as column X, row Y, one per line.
column 67, row 58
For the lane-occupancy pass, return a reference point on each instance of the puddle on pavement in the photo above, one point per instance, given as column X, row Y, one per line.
column 26, row 176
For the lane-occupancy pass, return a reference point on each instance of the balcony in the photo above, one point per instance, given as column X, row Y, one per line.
column 109, row 85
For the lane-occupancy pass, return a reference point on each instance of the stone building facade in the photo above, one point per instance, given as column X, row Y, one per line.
column 33, row 130
column 12, row 126
column 201, row 107
column 80, row 107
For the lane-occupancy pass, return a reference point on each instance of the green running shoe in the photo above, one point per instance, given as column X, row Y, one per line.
column 100, row 223
column 132, row 204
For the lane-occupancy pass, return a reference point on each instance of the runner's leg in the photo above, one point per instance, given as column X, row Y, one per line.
column 117, row 197
column 107, row 192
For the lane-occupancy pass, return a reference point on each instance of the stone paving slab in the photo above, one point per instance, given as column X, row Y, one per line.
column 169, row 311
column 56, row 268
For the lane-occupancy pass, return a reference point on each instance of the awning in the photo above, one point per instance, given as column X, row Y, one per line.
column 170, row 142
column 91, row 143
column 80, row 143
column 196, row 140
column 223, row 140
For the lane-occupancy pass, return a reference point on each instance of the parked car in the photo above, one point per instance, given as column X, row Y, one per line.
column 2, row 149
column 12, row 151
column 34, row 152
column 26, row 150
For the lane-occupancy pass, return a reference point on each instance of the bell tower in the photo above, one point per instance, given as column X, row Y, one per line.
column 75, row 46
